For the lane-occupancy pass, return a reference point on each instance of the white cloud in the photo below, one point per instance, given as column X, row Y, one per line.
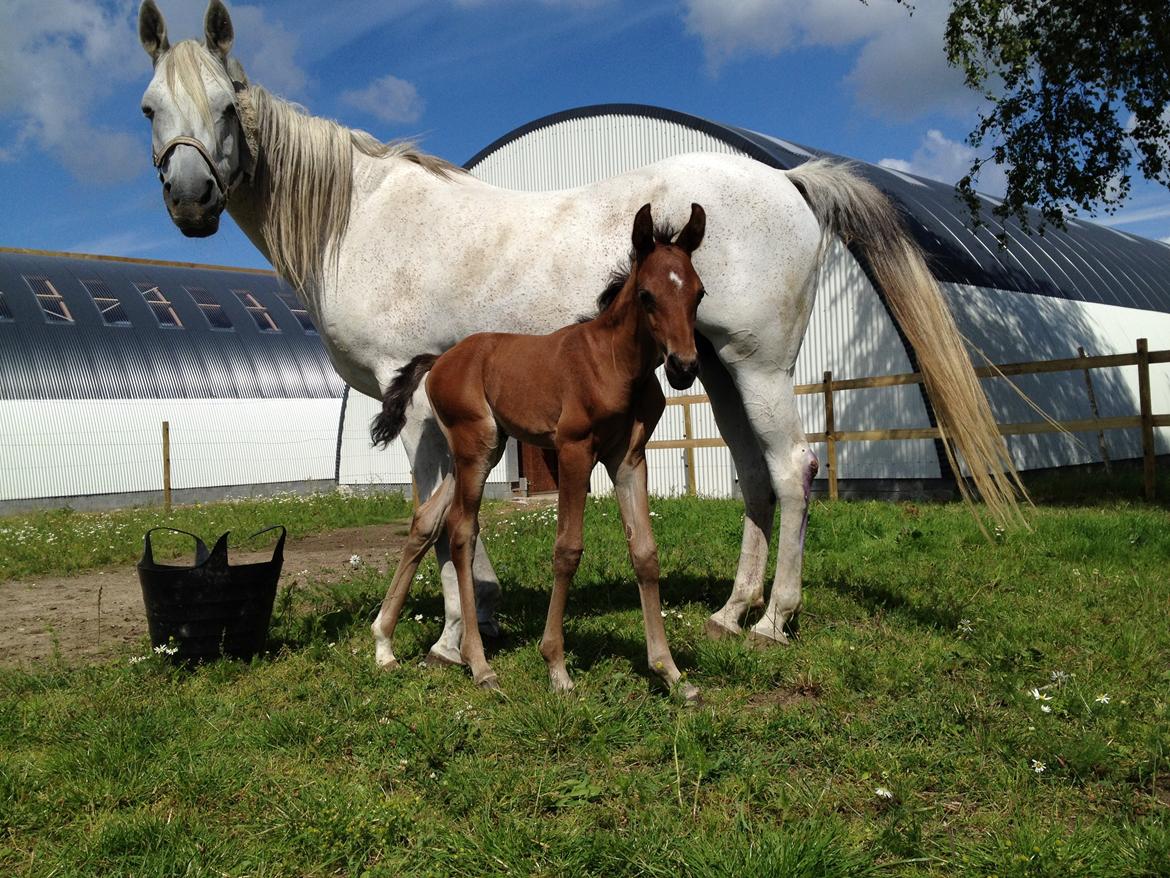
column 901, row 69
column 129, row 243
column 940, row 158
column 389, row 98
column 58, row 59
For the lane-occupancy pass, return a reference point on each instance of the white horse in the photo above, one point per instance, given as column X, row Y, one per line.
column 395, row 253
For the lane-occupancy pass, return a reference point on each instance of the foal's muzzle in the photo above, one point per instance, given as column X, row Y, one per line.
column 681, row 373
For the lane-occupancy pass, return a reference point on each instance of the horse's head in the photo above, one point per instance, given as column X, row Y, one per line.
column 199, row 142
column 669, row 291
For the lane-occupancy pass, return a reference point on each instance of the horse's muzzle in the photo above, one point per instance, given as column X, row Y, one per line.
column 196, row 221
column 681, row 373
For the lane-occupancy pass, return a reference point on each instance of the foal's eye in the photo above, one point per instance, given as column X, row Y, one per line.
column 702, row 294
column 646, row 299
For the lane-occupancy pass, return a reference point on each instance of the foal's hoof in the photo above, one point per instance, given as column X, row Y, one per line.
column 716, row 630
column 490, row 682
column 756, row 640
column 436, row 659
column 387, row 665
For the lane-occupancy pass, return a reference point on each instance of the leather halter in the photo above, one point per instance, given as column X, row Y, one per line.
column 246, row 161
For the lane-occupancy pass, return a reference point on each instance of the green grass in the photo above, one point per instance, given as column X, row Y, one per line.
column 64, row 541
column 920, row 645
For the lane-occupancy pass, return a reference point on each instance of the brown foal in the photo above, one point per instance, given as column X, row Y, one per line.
column 588, row 391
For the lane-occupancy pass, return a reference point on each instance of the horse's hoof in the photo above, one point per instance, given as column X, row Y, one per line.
column 756, row 640
column 490, row 682
column 564, row 686
column 388, row 665
column 716, row 630
column 436, row 659
column 690, row 694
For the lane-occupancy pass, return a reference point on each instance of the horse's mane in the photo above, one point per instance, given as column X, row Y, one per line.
column 303, row 175
column 663, row 234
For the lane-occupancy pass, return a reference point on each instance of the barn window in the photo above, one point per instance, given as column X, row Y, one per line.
column 298, row 310
column 51, row 301
column 212, row 309
column 5, row 311
column 260, row 315
column 164, row 312
column 108, row 305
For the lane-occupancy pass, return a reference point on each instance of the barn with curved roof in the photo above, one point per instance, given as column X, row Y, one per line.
column 1042, row 297
column 96, row 353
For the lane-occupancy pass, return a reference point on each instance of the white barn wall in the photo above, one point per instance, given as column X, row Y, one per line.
column 75, row 448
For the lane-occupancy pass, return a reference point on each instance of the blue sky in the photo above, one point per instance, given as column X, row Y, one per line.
column 868, row 81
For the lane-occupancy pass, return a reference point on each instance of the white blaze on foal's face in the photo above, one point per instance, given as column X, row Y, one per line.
column 676, row 280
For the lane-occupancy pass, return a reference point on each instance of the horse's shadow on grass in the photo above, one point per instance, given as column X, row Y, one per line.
column 877, row 599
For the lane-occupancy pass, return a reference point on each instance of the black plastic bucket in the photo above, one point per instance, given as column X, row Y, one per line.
column 212, row 608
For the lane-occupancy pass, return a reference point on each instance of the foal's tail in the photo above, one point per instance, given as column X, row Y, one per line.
column 853, row 208
column 389, row 423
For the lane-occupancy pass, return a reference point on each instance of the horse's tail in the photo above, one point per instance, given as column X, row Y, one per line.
column 389, row 423
column 853, row 208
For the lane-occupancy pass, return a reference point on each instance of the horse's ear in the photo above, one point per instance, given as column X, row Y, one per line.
column 643, row 236
column 218, row 30
column 691, row 236
column 152, row 30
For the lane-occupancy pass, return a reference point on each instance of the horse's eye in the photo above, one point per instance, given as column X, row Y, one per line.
column 702, row 294
column 646, row 299
column 148, row 112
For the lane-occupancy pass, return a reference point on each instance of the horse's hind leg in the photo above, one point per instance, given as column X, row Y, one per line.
column 792, row 465
column 755, row 484
column 425, row 529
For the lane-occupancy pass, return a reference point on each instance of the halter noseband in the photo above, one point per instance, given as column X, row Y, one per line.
column 244, row 115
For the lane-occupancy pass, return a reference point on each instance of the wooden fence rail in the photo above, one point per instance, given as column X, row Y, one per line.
column 1146, row 420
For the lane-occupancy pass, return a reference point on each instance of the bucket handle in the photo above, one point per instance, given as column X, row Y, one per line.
column 201, row 553
column 278, row 552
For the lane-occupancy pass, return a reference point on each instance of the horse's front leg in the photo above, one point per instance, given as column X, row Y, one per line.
column 430, row 462
column 574, row 463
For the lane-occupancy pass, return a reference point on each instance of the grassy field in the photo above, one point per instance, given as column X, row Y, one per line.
column 952, row 707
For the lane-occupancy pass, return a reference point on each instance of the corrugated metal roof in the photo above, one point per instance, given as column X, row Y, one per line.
column 86, row 358
column 1086, row 262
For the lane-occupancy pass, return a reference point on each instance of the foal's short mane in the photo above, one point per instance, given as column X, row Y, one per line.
column 663, row 234
column 304, row 173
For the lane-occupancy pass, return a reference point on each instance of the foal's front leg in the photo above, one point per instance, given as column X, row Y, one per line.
column 574, row 463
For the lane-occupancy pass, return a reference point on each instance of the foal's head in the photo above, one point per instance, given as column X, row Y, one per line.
column 669, row 291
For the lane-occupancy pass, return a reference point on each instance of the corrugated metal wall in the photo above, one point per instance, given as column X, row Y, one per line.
column 74, row 448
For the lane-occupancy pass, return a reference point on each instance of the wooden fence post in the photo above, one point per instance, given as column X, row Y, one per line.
column 1143, row 364
column 689, row 451
column 166, row 437
column 830, row 437
column 1093, row 410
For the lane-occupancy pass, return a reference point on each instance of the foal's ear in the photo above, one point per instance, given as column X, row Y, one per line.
column 691, row 236
column 152, row 30
column 643, row 237
column 218, row 30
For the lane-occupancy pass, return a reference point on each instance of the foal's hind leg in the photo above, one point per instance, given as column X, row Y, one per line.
column 425, row 529
column 426, row 446
column 476, row 448
column 755, row 484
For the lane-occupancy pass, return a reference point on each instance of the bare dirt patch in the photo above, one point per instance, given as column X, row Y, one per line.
column 44, row 617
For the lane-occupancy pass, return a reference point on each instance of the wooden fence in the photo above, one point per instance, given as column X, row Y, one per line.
column 1146, row 419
